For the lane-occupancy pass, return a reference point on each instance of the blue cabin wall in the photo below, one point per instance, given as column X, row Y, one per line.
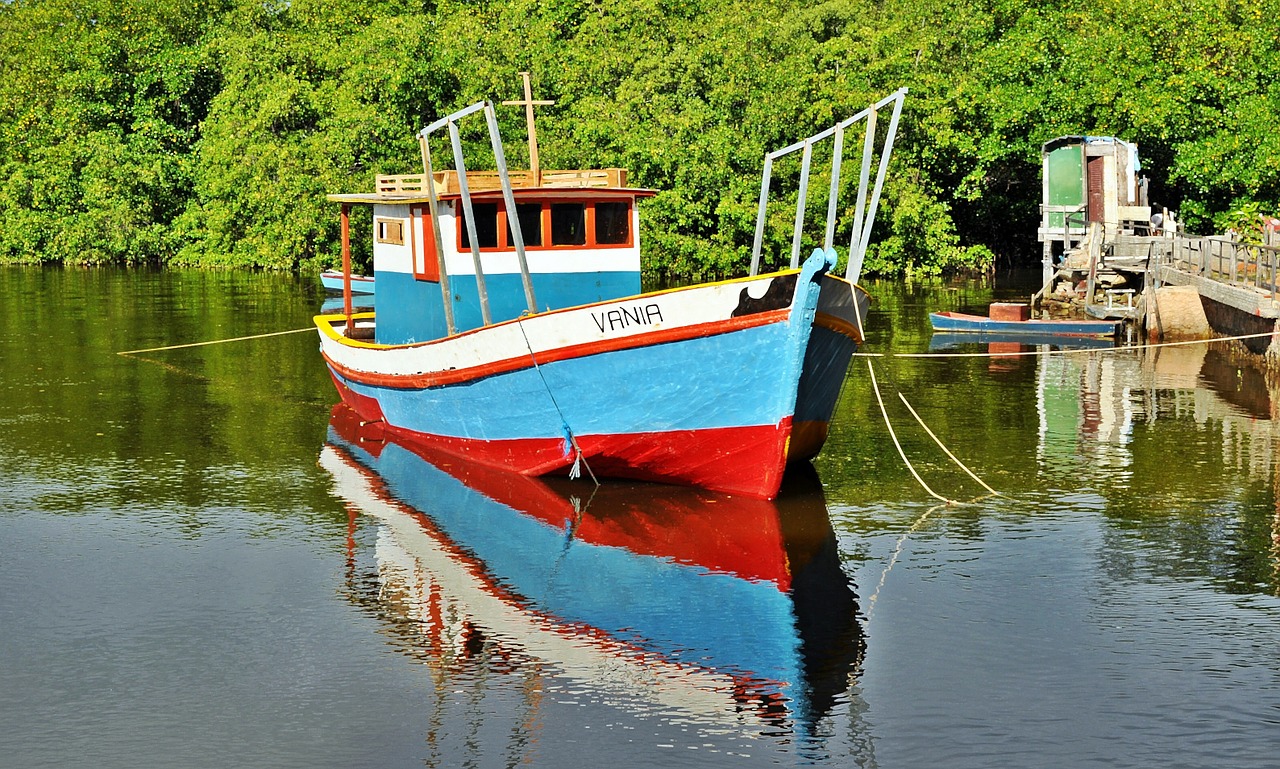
column 411, row 310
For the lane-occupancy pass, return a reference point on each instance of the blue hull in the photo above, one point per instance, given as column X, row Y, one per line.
column 955, row 321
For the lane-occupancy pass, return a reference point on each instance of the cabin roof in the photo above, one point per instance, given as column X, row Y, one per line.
column 1067, row 141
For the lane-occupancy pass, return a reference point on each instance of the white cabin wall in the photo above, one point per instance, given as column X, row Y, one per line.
column 388, row 257
column 541, row 261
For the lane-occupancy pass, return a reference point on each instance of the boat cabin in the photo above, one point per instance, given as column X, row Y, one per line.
column 580, row 235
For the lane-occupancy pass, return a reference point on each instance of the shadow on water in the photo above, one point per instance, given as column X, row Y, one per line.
column 699, row 606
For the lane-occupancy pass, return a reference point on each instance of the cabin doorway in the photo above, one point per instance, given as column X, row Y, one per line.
column 1095, row 176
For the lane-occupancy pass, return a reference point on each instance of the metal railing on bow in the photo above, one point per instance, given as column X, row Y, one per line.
column 868, row 199
column 495, row 141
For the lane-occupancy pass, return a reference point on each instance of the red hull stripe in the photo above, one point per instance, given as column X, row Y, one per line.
column 735, row 460
column 454, row 376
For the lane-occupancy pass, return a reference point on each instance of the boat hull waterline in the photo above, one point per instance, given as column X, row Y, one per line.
column 698, row 386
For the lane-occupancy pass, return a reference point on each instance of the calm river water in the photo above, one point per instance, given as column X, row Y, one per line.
column 204, row 565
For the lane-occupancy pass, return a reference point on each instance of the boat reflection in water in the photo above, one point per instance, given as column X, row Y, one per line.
column 720, row 609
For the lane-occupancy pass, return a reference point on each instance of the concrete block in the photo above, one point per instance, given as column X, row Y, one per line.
column 1176, row 313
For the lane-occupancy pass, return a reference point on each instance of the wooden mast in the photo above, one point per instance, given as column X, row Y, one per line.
column 528, row 105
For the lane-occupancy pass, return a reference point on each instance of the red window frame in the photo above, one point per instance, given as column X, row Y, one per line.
column 589, row 224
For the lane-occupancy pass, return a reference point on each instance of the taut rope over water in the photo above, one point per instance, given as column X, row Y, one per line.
column 218, row 341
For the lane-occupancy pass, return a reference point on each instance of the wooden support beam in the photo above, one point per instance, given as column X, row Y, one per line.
column 346, row 263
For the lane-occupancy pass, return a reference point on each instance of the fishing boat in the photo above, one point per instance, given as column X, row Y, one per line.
column 644, row 595
column 978, row 324
column 333, row 283
column 511, row 327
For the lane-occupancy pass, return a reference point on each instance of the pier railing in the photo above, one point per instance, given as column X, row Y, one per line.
column 1227, row 261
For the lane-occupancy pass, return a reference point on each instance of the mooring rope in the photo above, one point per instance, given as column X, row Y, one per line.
column 897, row 551
column 898, row 445
column 579, row 457
column 938, row 441
column 218, row 341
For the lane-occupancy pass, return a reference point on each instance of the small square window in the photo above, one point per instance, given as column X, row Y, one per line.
column 486, row 225
column 530, row 225
column 390, row 231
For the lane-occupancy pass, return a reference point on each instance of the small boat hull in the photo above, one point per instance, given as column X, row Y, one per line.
column 961, row 322
column 360, row 284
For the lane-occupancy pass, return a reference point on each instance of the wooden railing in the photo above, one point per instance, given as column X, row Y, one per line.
column 1227, row 261
column 477, row 181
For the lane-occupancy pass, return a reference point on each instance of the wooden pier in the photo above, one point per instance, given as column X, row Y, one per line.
column 1108, row 254
column 1144, row 279
column 1236, row 282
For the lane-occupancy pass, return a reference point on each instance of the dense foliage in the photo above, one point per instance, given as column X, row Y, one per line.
column 207, row 131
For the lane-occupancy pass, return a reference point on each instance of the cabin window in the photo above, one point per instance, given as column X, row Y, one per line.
column 544, row 224
column 530, row 225
column 390, row 231
column 568, row 224
column 486, row 218
column 612, row 223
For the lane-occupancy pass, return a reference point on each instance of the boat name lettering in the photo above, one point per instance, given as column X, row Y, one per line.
column 621, row 317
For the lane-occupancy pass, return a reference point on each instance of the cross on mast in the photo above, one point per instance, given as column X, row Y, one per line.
column 528, row 105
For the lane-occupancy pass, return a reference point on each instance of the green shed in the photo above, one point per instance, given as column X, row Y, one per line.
column 1088, row 179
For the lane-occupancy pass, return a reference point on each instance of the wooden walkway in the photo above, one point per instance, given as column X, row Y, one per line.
column 1243, row 277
